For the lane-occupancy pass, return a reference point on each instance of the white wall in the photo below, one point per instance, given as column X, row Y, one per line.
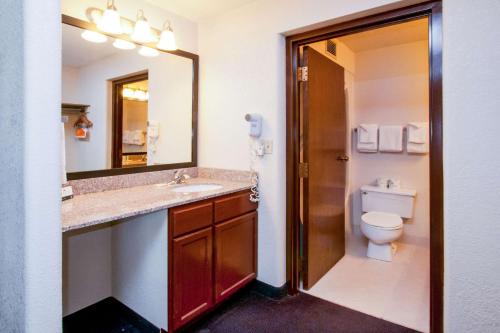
column 12, row 138
column 391, row 88
column 86, row 268
column 126, row 260
column 185, row 30
column 471, row 179
column 242, row 56
column 140, row 266
column 30, row 227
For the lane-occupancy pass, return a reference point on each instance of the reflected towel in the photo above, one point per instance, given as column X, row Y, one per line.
column 367, row 138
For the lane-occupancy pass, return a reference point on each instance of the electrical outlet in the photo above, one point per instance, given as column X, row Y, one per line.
column 268, row 146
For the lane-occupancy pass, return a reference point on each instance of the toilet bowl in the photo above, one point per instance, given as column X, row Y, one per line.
column 381, row 229
column 382, row 222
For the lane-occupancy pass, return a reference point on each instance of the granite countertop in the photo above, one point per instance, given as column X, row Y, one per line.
column 96, row 208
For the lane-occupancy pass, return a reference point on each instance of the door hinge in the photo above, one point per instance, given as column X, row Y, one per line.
column 303, row 170
column 302, row 74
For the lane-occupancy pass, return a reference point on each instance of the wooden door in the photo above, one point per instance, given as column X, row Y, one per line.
column 192, row 284
column 235, row 254
column 324, row 151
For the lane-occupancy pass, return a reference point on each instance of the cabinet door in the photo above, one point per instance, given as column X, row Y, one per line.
column 192, row 284
column 235, row 254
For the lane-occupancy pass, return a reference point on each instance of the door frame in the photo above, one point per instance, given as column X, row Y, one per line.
column 117, row 114
column 433, row 11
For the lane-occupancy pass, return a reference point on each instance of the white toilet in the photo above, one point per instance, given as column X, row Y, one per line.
column 382, row 222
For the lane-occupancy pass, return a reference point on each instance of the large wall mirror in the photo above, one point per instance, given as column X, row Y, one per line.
column 125, row 108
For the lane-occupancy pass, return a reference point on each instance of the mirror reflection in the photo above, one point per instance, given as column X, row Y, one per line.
column 123, row 105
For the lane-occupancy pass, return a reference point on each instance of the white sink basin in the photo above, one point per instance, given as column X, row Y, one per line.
column 191, row 188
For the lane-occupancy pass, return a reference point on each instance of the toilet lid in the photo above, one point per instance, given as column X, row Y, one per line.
column 382, row 220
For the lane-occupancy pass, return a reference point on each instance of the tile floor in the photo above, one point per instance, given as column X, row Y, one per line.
column 397, row 291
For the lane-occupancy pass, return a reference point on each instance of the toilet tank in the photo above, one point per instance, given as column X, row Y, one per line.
column 396, row 201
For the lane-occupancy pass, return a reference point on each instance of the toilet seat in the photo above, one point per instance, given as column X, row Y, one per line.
column 381, row 220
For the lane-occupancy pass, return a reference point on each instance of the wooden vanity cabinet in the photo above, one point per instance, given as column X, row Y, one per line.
column 193, row 271
column 235, row 254
column 212, row 254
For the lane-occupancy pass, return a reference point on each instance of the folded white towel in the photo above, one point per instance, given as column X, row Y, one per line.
column 417, row 132
column 367, row 133
column 367, row 138
column 391, row 139
column 135, row 137
column 418, row 138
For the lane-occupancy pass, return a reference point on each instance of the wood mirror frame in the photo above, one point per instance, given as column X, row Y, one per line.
column 72, row 21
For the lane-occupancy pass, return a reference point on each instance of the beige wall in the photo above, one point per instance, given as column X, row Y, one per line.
column 345, row 57
column 391, row 88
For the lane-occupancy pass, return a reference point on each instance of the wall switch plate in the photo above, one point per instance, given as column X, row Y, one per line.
column 268, row 146
column 66, row 192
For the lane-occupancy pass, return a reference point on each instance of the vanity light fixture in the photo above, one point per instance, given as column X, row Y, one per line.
column 94, row 37
column 148, row 51
column 123, row 44
column 142, row 30
column 110, row 21
column 167, row 38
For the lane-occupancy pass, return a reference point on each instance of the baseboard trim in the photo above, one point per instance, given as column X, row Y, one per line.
column 270, row 291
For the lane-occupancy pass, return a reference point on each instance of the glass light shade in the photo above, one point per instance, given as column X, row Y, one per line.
column 128, row 93
column 123, row 44
column 167, row 41
column 142, row 32
column 140, row 95
column 148, row 52
column 110, row 22
column 93, row 36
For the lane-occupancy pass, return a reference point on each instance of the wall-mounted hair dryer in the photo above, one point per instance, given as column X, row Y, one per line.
column 255, row 121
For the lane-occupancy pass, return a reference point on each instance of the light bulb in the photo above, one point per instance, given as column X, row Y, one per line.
column 142, row 30
column 148, row 52
column 123, row 44
column 128, row 93
column 140, row 95
column 110, row 21
column 167, row 39
column 94, row 37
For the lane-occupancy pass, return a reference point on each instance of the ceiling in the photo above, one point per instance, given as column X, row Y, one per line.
column 77, row 52
column 196, row 9
column 408, row 32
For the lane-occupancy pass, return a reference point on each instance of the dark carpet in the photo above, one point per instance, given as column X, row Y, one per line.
column 251, row 312
column 107, row 316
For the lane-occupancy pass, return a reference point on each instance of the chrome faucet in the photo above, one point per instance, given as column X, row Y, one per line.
column 179, row 177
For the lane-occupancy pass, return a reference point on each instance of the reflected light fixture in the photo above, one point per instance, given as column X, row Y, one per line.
column 148, row 52
column 128, row 93
column 123, row 44
column 140, row 95
column 135, row 94
column 142, row 30
column 110, row 21
column 167, row 38
column 93, row 36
